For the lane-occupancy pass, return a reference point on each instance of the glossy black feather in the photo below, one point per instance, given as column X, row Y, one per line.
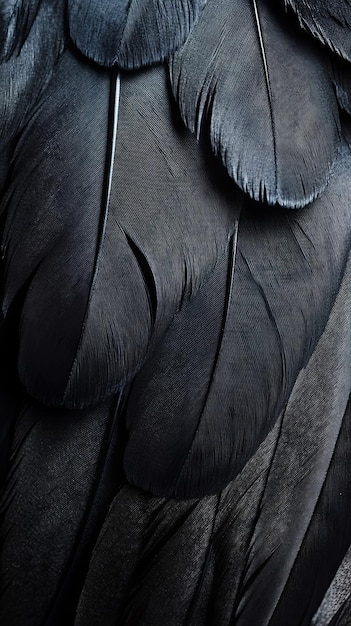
column 262, row 93
column 167, row 321
column 250, row 549
column 53, row 209
column 131, row 33
column 328, row 20
column 181, row 443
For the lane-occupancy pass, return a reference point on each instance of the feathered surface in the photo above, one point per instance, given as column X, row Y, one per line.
column 131, row 33
column 328, row 20
column 262, row 93
column 175, row 351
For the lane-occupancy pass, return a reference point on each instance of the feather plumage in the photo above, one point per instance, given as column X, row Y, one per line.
column 252, row 547
column 184, row 445
column 131, row 33
column 327, row 20
column 262, row 93
column 211, row 331
column 63, row 471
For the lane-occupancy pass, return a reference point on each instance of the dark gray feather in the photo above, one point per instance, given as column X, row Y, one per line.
column 262, row 94
column 131, row 33
column 327, row 20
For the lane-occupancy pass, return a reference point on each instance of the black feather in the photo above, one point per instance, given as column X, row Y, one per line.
column 250, row 549
column 262, row 93
column 31, row 51
column 131, row 33
column 63, row 471
column 193, row 427
column 328, row 20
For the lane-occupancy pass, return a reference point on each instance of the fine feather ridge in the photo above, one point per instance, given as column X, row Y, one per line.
column 242, row 67
column 327, row 20
column 132, row 33
column 110, row 162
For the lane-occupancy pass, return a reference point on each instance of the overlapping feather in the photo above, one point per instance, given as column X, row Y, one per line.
column 267, row 545
column 131, row 33
column 193, row 427
column 225, row 315
column 327, row 20
column 262, row 93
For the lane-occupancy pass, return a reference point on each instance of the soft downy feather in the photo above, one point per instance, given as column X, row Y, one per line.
column 262, row 92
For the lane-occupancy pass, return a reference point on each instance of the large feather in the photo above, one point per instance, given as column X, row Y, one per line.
column 131, row 33
column 328, row 20
column 83, row 334
column 53, row 212
column 263, row 94
column 193, row 427
column 246, row 554
column 63, row 471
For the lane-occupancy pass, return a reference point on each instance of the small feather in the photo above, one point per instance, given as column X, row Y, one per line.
column 131, row 33
column 327, row 20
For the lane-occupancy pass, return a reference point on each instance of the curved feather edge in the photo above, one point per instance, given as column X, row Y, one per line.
column 327, row 20
column 242, row 67
column 237, row 549
column 132, row 33
column 286, row 266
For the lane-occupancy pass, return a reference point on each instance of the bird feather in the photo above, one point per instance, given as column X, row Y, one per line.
column 327, row 20
column 262, row 93
column 131, row 33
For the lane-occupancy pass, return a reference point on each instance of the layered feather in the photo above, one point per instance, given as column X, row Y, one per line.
column 250, row 549
column 262, row 93
column 131, row 33
column 239, row 351
column 63, row 471
column 103, row 274
column 327, row 20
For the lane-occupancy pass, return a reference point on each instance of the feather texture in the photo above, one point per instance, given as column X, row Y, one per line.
column 131, row 33
column 262, row 93
column 160, row 330
column 328, row 20
column 62, row 473
column 31, row 51
column 181, row 443
column 250, row 549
